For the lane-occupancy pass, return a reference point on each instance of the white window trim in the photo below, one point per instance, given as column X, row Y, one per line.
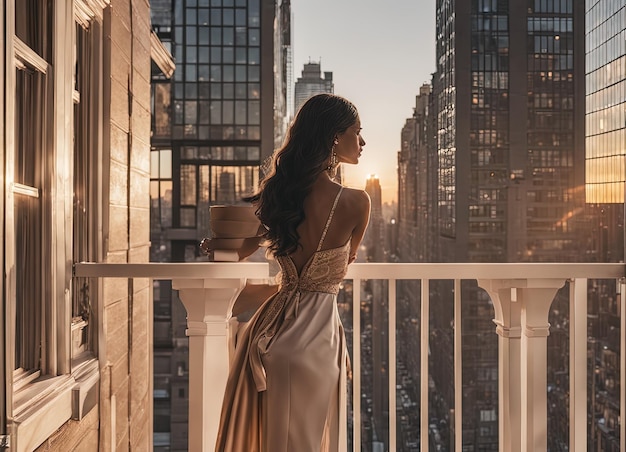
column 21, row 189
column 36, row 405
column 25, row 56
column 46, row 406
column 161, row 56
column 87, row 10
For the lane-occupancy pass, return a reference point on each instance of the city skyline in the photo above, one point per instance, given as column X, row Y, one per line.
column 391, row 65
column 488, row 314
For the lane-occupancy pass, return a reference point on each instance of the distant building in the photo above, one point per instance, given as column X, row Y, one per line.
column 511, row 130
column 312, row 82
column 374, row 242
column 417, row 179
column 415, row 176
column 509, row 104
column 214, row 125
column 373, row 239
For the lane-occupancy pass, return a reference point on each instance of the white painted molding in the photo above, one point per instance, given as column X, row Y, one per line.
column 28, row 57
column 85, row 393
column 160, row 55
column 485, row 271
column 86, row 10
column 259, row 270
column 187, row 270
column 21, row 189
column 37, row 421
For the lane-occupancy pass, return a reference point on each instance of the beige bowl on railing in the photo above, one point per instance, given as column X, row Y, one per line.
column 233, row 213
column 233, row 229
column 233, row 222
column 227, row 244
column 235, row 244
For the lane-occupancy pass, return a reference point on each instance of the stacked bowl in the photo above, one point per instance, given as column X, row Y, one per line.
column 235, row 229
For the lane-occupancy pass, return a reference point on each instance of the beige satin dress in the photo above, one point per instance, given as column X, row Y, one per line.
column 286, row 391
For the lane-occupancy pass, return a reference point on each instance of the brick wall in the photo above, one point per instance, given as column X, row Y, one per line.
column 127, row 387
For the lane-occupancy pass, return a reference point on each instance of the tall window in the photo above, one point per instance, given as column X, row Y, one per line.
column 32, row 165
column 50, row 203
column 84, row 190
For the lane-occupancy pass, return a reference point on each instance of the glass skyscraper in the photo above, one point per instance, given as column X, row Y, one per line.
column 605, row 130
column 510, row 128
column 509, row 105
column 606, row 101
column 605, row 184
column 213, row 126
column 312, row 82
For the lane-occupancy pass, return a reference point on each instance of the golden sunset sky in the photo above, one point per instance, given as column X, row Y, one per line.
column 380, row 53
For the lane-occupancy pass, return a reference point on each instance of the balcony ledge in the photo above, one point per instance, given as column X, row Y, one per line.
column 521, row 294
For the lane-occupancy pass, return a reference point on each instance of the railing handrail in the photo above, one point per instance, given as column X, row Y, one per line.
column 471, row 270
column 534, row 284
column 180, row 270
column 236, row 270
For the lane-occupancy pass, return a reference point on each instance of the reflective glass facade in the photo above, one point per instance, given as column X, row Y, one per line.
column 214, row 122
column 220, row 115
column 554, row 150
column 606, row 100
column 208, row 118
column 216, row 91
column 605, row 34
column 489, row 130
column 445, row 92
column 510, row 129
column 509, row 102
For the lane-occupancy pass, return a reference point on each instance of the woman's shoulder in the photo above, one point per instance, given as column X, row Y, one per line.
column 355, row 194
column 355, row 198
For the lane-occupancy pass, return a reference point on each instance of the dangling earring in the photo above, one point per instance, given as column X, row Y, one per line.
column 334, row 163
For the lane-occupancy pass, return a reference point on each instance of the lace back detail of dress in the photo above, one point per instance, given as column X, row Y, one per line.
column 324, row 272
column 325, row 269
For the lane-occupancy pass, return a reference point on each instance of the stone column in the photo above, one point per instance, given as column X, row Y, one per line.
column 509, row 330
column 536, row 299
column 208, row 302
column 522, row 307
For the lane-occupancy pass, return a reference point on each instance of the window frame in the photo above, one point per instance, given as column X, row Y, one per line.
column 34, row 407
column 90, row 103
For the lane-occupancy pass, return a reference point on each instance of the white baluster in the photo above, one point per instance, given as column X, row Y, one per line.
column 509, row 330
column 207, row 303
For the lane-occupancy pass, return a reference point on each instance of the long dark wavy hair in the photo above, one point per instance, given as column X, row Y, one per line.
column 295, row 167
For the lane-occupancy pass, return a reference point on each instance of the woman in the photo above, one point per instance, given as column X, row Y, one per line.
column 286, row 388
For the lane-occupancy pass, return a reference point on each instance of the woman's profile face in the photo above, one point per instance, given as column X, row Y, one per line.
column 350, row 144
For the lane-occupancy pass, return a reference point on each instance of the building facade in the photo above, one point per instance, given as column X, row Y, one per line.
column 605, row 76
column 415, row 174
column 312, row 82
column 376, row 409
column 509, row 106
column 417, row 178
column 605, row 126
column 510, row 129
column 605, row 184
column 76, row 149
column 214, row 123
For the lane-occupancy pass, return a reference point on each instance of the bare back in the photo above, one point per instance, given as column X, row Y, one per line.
column 348, row 222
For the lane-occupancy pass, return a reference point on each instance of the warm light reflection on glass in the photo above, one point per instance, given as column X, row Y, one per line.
column 605, row 179
column 568, row 216
column 605, row 144
column 605, row 193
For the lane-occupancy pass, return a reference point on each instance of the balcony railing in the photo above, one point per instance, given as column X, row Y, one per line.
column 521, row 294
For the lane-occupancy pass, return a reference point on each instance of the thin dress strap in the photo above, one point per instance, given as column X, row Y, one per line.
column 330, row 217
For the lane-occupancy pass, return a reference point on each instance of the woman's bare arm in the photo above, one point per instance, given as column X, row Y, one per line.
column 362, row 205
